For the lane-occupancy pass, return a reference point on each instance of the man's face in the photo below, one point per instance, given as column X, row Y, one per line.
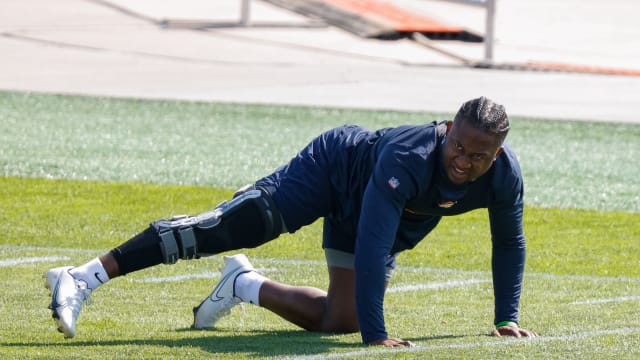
column 469, row 152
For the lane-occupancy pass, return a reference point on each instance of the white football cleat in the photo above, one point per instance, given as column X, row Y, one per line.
column 67, row 296
column 222, row 299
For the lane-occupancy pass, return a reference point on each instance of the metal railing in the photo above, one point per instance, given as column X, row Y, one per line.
column 489, row 27
column 245, row 19
column 245, row 13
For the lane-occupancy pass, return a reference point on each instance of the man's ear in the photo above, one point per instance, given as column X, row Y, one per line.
column 449, row 124
column 500, row 150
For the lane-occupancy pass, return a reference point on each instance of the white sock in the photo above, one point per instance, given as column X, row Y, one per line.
column 93, row 273
column 247, row 287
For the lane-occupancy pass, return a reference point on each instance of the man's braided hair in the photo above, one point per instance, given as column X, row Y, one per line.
column 482, row 113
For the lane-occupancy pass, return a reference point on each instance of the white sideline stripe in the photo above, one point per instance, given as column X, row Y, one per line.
column 393, row 289
column 31, row 260
column 458, row 271
column 52, row 249
column 583, row 277
column 322, row 263
column 603, row 301
column 204, row 275
column 435, row 286
column 501, row 342
column 526, row 274
column 290, row 261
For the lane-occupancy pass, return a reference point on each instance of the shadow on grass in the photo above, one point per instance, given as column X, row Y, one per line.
column 252, row 343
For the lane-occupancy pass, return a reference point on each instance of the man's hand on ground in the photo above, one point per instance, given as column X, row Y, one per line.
column 392, row 342
column 510, row 330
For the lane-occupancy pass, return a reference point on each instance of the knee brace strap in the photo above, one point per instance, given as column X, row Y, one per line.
column 184, row 245
column 248, row 220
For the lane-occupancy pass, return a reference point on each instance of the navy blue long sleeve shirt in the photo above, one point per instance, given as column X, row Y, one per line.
column 384, row 191
column 406, row 196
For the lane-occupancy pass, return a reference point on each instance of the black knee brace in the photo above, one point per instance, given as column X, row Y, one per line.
column 250, row 219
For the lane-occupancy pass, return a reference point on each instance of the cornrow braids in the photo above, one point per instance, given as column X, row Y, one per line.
column 485, row 114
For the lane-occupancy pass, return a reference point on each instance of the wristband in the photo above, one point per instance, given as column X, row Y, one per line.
column 506, row 323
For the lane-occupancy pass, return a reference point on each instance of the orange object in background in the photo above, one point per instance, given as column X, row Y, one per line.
column 552, row 66
column 399, row 19
column 384, row 20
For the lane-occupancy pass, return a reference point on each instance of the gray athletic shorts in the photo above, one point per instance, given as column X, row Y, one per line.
column 344, row 260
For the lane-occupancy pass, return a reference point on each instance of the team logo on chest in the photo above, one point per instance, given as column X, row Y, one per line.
column 446, row 204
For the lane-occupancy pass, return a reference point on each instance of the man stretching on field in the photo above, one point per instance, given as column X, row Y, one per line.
column 379, row 192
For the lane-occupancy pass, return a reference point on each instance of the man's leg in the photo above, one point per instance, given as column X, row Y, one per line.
column 249, row 220
column 333, row 311
column 313, row 309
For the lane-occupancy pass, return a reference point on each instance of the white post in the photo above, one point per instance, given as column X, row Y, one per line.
column 244, row 13
column 489, row 28
column 489, row 31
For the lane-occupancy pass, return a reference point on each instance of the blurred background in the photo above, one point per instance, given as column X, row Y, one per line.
column 570, row 59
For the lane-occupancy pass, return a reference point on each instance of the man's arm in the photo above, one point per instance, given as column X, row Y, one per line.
column 383, row 201
column 376, row 233
column 399, row 170
column 508, row 257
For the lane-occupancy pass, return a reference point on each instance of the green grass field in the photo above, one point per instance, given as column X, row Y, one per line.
column 81, row 174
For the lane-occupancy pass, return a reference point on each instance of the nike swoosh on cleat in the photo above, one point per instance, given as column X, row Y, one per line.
column 54, row 300
column 214, row 295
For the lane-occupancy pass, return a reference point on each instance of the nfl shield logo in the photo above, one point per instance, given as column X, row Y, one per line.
column 393, row 182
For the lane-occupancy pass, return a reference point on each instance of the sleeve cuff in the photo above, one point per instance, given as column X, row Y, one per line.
column 506, row 323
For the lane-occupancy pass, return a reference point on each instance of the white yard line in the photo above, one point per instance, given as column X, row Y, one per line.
column 435, row 286
column 204, row 275
column 583, row 277
column 473, row 273
column 526, row 274
column 367, row 353
column 604, row 301
column 393, row 289
column 50, row 249
column 31, row 260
